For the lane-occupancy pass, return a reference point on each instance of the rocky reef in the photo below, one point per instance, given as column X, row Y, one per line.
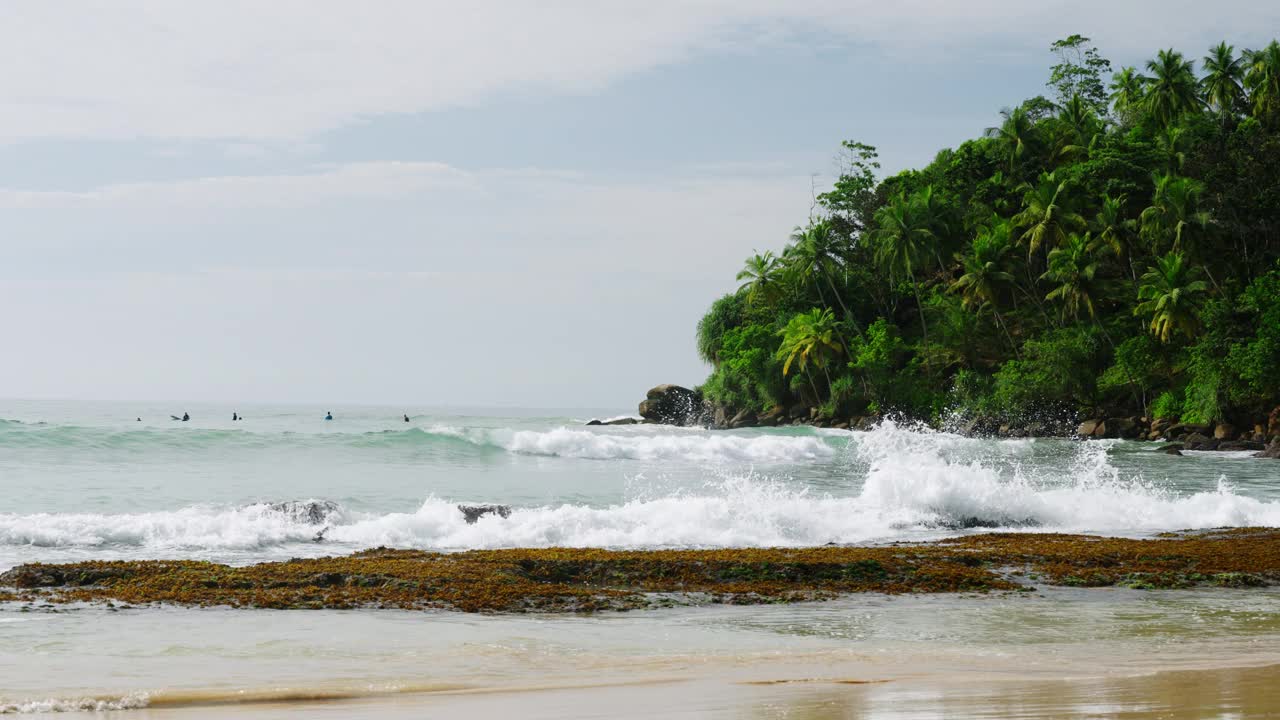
column 676, row 405
column 584, row 580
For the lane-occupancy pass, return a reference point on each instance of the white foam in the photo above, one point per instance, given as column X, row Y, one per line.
column 904, row 484
column 701, row 446
column 77, row 705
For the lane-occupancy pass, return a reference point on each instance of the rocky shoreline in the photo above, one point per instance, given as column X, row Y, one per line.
column 681, row 406
column 587, row 579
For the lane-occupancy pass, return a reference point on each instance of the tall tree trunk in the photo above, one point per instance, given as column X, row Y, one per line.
column 1005, row 328
column 924, row 325
column 848, row 315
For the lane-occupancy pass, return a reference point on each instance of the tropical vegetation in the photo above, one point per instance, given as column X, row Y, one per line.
column 1112, row 248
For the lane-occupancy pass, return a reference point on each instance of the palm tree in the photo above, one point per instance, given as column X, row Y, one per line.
column 1049, row 214
column 1174, row 211
column 1172, row 295
column 1073, row 267
column 1262, row 77
column 986, row 273
column 1172, row 91
column 817, row 253
column 762, row 274
column 1223, row 83
column 1017, row 133
column 1115, row 231
column 1171, row 144
column 1128, row 87
column 809, row 340
column 1081, row 127
column 904, row 243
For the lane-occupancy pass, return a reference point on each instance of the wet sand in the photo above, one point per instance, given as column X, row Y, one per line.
column 1243, row 692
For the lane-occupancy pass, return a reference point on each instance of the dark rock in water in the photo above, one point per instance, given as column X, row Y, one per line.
column 674, row 405
column 1199, row 441
column 1172, row 449
column 1240, row 445
column 472, row 513
column 311, row 512
column 623, row 421
column 973, row 522
column 1272, row 451
column 595, row 422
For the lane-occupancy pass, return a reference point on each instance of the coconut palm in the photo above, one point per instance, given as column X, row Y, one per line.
column 809, row 340
column 762, row 278
column 1172, row 294
column 1128, row 87
column 1115, row 231
column 1080, row 128
column 1049, row 214
column 1223, row 83
column 905, row 241
column 1172, row 90
column 1174, row 212
column 1073, row 267
column 816, row 255
column 1171, row 142
column 1017, row 135
column 986, row 272
column 1262, row 77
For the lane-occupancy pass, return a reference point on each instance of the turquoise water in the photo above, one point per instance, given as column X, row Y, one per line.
column 91, row 480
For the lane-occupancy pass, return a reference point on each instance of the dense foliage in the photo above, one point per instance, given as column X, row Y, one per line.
column 1112, row 249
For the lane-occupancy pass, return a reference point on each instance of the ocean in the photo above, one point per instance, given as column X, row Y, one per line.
column 124, row 481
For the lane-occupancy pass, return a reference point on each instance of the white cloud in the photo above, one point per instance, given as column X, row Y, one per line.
column 288, row 69
column 326, row 183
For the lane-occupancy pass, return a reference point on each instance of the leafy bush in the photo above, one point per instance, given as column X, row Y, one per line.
column 749, row 376
column 1056, row 370
column 1167, row 406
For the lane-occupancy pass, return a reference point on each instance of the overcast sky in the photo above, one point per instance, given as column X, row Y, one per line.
column 420, row 203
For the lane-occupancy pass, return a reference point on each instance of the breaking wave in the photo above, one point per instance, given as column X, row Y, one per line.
column 624, row 443
column 904, row 484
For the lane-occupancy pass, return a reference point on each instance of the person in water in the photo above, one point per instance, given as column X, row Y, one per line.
column 185, row 417
column 406, row 418
column 328, row 415
column 234, row 417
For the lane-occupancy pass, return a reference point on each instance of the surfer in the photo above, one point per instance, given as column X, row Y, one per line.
column 406, row 418
column 234, row 417
column 185, row 417
column 328, row 415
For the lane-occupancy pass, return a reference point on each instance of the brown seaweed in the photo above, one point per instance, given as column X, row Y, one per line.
column 586, row 579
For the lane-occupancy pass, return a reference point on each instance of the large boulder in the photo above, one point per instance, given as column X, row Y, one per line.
column 1118, row 428
column 1088, row 428
column 1272, row 451
column 1224, row 431
column 1200, row 441
column 673, row 405
column 772, row 418
column 744, row 418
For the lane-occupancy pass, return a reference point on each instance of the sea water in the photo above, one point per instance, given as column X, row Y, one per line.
column 125, row 481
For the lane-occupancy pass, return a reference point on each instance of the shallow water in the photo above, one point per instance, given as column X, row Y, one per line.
column 172, row 658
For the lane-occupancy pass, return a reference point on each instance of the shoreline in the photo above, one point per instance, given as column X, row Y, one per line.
column 682, row 407
column 585, row 580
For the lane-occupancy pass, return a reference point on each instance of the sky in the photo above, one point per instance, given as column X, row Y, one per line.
column 519, row 203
